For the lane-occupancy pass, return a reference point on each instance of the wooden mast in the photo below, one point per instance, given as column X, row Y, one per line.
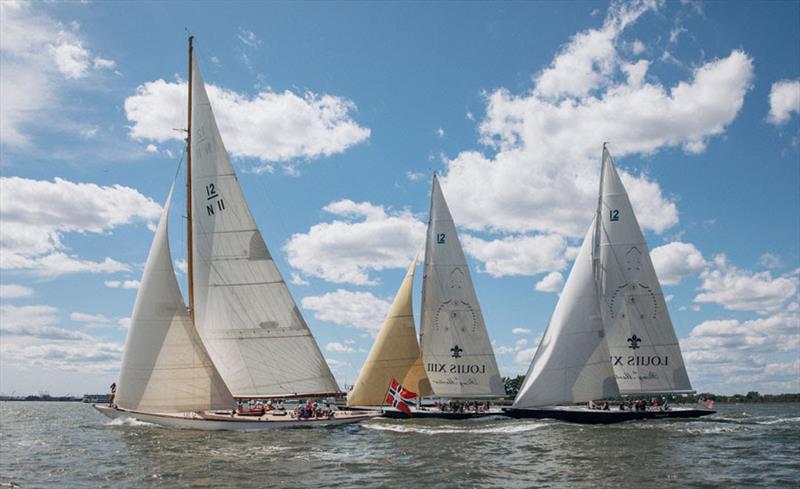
column 189, row 188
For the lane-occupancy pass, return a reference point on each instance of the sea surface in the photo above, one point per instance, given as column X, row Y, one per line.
column 70, row 445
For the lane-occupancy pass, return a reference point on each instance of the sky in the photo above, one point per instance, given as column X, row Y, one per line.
column 336, row 115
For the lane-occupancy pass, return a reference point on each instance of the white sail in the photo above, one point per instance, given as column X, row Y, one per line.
column 249, row 321
column 165, row 367
column 571, row 364
column 643, row 348
column 456, row 350
column 395, row 354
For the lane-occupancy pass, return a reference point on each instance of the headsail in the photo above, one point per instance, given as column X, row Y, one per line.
column 571, row 364
column 395, row 353
column 456, row 350
column 249, row 321
column 165, row 367
column 643, row 348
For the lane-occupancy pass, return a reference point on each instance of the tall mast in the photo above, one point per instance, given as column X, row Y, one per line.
column 189, row 188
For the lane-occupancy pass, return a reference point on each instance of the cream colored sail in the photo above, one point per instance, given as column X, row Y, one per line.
column 395, row 354
column 165, row 367
column 571, row 364
column 251, row 326
column 644, row 350
column 456, row 350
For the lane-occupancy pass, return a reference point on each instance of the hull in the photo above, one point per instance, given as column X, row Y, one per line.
column 227, row 422
column 584, row 415
column 427, row 413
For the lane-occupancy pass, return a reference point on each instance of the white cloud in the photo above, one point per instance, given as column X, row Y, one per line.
column 270, row 126
column 743, row 290
column 34, row 321
column 124, row 323
column 520, row 331
column 151, row 148
column 248, row 38
column 83, row 317
column 102, row 63
column 552, row 282
column 677, row 260
column 520, row 343
column 440, row 132
column 125, row 284
column 336, row 347
column 784, row 99
column 725, row 354
column 14, row 291
column 518, row 255
column 37, row 213
column 38, row 55
column 297, row 279
column 350, row 309
column 543, row 175
column 415, row 176
column 770, row 260
column 182, row 266
column 525, row 357
column 344, row 251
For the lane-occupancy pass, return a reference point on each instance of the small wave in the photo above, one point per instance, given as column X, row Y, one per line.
column 790, row 419
column 126, row 421
column 505, row 428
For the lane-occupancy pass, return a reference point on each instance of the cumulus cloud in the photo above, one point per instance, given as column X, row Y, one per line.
column 518, row 255
column 552, row 282
column 336, row 347
column 270, row 126
column 14, row 291
column 82, row 317
column 784, row 99
column 39, row 54
column 723, row 354
column 366, row 238
column 360, row 310
column 743, row 290
column 520, row 331
column 770, row 260
column 34, row 321
column 677, row 260
column 124, row 284
column 547, row 142
column 37, row 213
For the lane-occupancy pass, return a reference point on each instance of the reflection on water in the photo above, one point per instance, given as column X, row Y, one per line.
column 70, row 445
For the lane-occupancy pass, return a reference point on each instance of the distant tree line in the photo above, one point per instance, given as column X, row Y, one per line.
column 514, row 384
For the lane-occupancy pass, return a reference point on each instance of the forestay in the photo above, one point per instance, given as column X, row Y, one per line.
column 456, row 350
column 254, row 332
column 571, row 363
column 643, row 348
column 165, row 367
column 395, row 354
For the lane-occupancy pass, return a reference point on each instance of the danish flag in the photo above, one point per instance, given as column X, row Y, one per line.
column 399, row 397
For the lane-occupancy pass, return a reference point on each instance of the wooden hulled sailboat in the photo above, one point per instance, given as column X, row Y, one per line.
column 242, row 335
column 454, row 358
column 610, row 334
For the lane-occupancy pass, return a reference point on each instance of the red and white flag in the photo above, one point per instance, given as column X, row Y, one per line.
column 399, row 397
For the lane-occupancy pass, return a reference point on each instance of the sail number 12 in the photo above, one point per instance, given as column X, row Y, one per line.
column 218, row 204
column 440, row 238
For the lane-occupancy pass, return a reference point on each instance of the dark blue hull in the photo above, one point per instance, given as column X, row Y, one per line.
column 603, row 417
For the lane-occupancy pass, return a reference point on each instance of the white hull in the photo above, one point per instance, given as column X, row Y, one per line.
column 227, row 422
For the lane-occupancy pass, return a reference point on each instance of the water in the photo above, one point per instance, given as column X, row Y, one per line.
column 70, row 445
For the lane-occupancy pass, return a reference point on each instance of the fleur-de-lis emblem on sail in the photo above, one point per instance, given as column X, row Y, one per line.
column 634, row 341
column 456, row 351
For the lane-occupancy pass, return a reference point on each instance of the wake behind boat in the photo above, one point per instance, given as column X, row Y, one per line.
column 610, row 334
column 241, row 336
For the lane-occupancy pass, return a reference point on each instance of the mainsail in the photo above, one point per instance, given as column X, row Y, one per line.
column 243, row 309
column 395, row 353
column 456, row 350
column 165, row 367
column 571, row 364
column 643, row 348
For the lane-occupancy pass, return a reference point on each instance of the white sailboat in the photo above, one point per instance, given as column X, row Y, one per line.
column 610, row 333
column 454, row 358
column 242, row 335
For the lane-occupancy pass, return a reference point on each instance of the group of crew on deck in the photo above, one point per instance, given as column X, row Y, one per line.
column 304, row 409
column 639, row 405
column 462, row 407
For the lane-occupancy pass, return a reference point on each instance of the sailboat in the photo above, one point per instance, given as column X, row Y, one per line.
column 242, row 336
column 610, row 334
column 454, row 358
